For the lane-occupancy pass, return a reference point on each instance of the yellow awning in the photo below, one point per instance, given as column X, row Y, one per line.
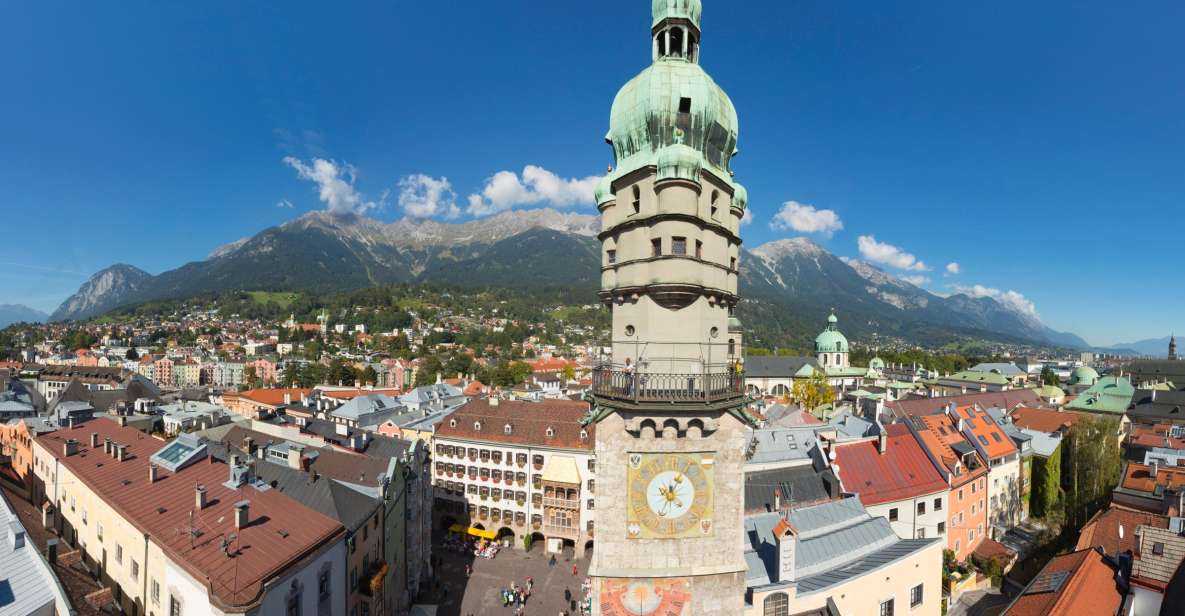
column 476, row 532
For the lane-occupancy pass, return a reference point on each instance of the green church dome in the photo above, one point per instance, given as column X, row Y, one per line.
column 676, row 9
column 604, row 190
column 1084, row 375
column 876, row 363
column 831, row 341
column 673, row 101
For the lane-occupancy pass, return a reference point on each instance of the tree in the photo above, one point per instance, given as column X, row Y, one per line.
column 132, row 355
column 1093, row 466
column 813, row 392
column 569, row 373
column 369, row 375
column 1047, row 481
column 1049, row 377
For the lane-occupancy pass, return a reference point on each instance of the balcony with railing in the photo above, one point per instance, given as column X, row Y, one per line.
column 623, row 383
column 563, row 503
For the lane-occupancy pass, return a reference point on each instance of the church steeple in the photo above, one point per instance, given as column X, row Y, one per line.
column 1173, row 347
column 675, row 32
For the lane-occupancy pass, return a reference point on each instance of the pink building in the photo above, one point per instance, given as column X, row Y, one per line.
column 264, row 370
column 163, row 371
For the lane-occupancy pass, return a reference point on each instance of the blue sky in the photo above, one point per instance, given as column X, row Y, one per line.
column 1037, row 145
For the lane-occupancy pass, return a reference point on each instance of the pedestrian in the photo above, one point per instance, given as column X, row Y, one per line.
column 551, row 562
column 567, row 595
column 573, row 569
column 468, row 570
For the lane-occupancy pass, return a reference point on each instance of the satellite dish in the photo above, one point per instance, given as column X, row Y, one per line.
column 1121, row 531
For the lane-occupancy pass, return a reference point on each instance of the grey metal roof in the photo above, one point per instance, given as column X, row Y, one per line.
column 1005, row 369
column 775, row 366
column 836, row 541
column 27, row 586
column 796, row 485
column 366, row 405
column 851, row 426
column 1153, row 406
column 783, row 445
column 1043, row 443
column 327, row 496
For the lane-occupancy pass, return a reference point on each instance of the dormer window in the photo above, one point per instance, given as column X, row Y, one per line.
column 477, row 426
column 506, row 429
column 550, row 432
column 452, row 423
column 584, row 435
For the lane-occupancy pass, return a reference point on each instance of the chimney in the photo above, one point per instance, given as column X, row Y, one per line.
column 123, row 421
column 199, row 497
column 295, row 453
column 16, row 535
column 493, row 401
column 785, row 536
column 249, row 445
column 241, row 513
column 94, row 440
column 882, row 441
column 1154, row 469
column 70, row 422
column 777, row 499
column 287, row 397
column 151, row 473
column 70, row 447
column 107, row 446
column 120, row 452
column 1154, row 395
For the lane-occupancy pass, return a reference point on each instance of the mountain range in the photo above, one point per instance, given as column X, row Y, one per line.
column 788, row 285
column 19, row 313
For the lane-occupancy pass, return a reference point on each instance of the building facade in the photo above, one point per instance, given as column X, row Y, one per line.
column 518, row 469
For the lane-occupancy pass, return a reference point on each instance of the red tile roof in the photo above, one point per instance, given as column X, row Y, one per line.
column 1044, row 420
column 1139, row 477
column 272, row 397
column 989, row 399
column 938, row 434
column 987, row 432
column 1155, row 436
column 1088, row 588
column 350, row 394
column 902, row 472
column 1103, row 529
column 529, row 422
column 260, row 551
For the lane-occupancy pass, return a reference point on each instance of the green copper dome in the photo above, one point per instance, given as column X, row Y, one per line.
column 604, row 190
column 675, row 9
column 672, row 101
column 831, row 341
column 876, row 363
column 679, row 161
column 1084, row 375
column 734, row 325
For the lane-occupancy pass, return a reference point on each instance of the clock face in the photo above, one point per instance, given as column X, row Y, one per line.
column 644, row 597
column 669, row 495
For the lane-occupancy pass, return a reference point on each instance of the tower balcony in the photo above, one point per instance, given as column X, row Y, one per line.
column 711, row 386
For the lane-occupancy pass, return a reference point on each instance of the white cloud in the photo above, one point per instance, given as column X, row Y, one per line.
column 505, row 190
column 888, row 254
column 335, row 184
column 803, row 218
column 284, row 203
column 422, row 196
column 916, row 280
column 952, row 269
column 748, row 217
column 1010, row 299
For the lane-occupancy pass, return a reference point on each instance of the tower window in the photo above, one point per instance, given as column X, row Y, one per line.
column 685, row 105
column 637, row 200
column 678, row 245
column 611, row 256
column 732, row 263
column 699, row 249
column 656, row 248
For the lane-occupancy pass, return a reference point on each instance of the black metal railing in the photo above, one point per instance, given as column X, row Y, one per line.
column 623, row 384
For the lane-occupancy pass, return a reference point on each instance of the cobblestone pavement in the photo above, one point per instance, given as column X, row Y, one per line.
column 555, row 590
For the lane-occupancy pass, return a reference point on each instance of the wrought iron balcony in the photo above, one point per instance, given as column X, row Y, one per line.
column 621, row 383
